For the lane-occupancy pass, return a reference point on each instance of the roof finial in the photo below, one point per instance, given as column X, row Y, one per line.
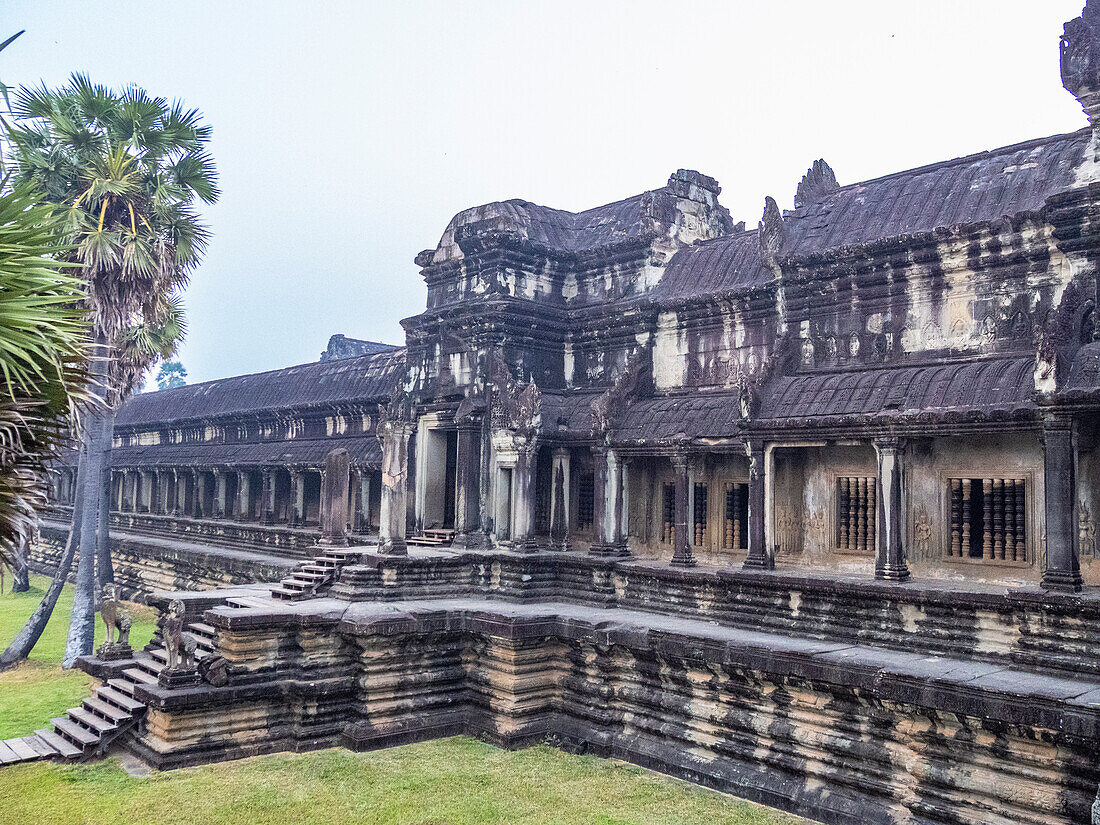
column 818, row 182
column 1080, row 59
column 772, row 232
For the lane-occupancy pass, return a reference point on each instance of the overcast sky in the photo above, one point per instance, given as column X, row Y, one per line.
column 348, row 133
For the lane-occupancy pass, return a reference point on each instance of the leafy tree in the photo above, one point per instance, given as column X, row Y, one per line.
column 42, row 352
column 125, row 172
column 171, row 374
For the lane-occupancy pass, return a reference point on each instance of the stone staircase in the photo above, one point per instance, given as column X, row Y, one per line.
column 88, row 730
column 432, row 538
column 310, row 578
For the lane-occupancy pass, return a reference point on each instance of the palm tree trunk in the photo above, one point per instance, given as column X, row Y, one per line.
column 24, row 641
column 20, row 576
column 105, row 571
column 81, row 638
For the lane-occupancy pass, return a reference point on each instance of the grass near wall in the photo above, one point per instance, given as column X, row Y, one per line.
column 459, row 781
column 37, row 690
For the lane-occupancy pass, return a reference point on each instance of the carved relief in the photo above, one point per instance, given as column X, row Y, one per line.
column 1086, row 532
column 922, row 533
column 788, row 531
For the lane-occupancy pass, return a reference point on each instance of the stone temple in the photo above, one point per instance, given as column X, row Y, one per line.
column 805, row 511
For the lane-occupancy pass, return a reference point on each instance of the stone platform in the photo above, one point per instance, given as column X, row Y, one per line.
column 839, row 700
column 144, row 564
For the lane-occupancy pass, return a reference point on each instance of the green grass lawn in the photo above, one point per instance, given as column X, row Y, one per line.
column 37, row 690
column 459, row 781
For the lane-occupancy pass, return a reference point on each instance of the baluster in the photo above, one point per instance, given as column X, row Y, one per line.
column 966, row 490
column 987, row 518
column 861, row 515
column 842, row 513
column 956, row 518
column 998, row 518
column 871, row 506
column 1010, row 519
column 1021, row 522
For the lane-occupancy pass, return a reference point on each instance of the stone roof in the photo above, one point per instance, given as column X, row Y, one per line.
column 635, row 218
column 367, row 379
column 681, row 417
column 341, row 346
column 964, row 388
column 987, row 186
column 363, row 451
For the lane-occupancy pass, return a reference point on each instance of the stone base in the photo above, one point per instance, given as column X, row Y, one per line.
column 110, row 652
column 179, row 677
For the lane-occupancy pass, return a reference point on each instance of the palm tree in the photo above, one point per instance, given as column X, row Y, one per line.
column 42, row 352
column 125, row 170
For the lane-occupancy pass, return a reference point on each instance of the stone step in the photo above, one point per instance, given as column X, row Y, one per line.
column 292, row 584
column 201, row 629
column 305, row 575
column 106, row 710
column 319, row 569
column 141, row 676
column 74, row 731
column 91, row 721
column 40, row 746
column 60, row 744
column 114, row 697
column 287, row 595
column 123, row 686
column 23, row 751
column 148, row 664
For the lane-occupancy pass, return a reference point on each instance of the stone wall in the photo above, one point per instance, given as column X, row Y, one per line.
column 836, row 731
column 144, row 566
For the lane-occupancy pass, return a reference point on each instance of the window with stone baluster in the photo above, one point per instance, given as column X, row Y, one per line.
column 855, row 514
column 699, row 522
column 988, row 518
column 668, row 513
column 585, row 501
column 735, row 530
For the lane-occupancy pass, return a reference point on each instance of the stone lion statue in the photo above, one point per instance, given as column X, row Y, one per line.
column 180, row 645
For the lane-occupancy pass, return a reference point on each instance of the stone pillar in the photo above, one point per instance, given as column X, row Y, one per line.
column 220, row 501
column 889, row 516
column 393, row 518
column 177, row 495
column 196, row 494
column 334, row 498
column 759, row 556
column 599, row 502
column 608, row 485
column 523, row 500
column 560, row 501
column 1063, row 561
column 267, row 497
column 468, row 487
column 682, row 555
column 244, row 495
column 200, row 495
column 298, row 490
column 364, row 500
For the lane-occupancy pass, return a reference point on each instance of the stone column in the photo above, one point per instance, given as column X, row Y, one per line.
column 177, row 495
column 220, row 493
column 598, row 547
column 147, row 491
column 364, row 500
column 298, row 488
column 468, row 487
column 682, row 555
column 267, row 497
column 200, row 495
column 244, row 495
column 1063, row 561
column 560, row 501
column 523, row 500
column 395, row 469
column 334, row 498
column 759, row 556
column 611, row 539
column 196, row 494
column 890, row 553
